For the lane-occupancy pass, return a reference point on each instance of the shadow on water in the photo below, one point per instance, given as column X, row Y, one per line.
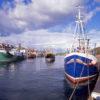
column 37, row 80
column 81, row 92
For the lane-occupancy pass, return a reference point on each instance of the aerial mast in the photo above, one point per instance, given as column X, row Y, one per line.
column 83, row 42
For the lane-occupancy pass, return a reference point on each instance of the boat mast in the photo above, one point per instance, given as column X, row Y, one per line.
column 83, row 42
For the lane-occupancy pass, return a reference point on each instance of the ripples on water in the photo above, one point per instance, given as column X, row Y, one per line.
column 35, row 79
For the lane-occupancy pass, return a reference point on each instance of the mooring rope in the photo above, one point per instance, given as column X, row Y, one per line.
column 77, row 82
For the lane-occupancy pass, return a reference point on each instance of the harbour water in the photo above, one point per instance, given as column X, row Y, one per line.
column 34, row 79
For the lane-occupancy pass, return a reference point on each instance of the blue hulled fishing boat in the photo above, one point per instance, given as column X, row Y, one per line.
column 80, row 65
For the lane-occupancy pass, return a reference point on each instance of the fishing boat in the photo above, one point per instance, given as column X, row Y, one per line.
column 5, row 56
column 31, row 53
column 80, row 64
column 18, row 53
column 50, row 57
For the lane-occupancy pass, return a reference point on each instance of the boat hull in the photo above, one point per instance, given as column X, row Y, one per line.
column 6, row 58
column 50, row 57
column 78, row 69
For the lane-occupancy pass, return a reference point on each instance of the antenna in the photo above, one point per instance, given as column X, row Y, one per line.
column 79, row 23
column 80, row 36
column 79, row 13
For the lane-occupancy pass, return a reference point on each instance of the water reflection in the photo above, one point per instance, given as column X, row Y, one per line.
column 12, row 67
column 81, row 92
column 35, row 79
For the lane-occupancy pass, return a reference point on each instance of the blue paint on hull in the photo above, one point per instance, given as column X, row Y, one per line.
column 74, row 69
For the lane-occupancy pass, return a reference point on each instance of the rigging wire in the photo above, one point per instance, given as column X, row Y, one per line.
column 77, row 82
column 79, row 26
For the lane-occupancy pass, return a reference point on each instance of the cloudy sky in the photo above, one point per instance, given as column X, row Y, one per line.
column 46, row 22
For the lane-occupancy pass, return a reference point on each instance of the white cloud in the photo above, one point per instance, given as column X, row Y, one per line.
column 40, row 38
column 45, row 38
column 98, row 9
column 89, row 15
column 94, row 35
column 33, row 21
column 39, row 14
